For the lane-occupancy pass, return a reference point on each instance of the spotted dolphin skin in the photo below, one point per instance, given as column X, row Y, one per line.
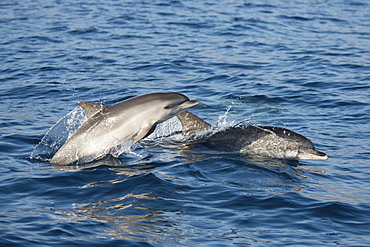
column 107, row 127
column 264, row 141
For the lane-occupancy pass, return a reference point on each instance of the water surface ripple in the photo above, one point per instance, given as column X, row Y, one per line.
column 303, row 65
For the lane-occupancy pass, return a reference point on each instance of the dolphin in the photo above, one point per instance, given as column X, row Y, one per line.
column 108, row 126
column 264, row 141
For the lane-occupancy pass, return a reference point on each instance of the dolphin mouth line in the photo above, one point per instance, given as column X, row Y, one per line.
column 188, row 104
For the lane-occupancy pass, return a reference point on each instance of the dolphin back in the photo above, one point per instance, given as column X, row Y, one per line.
column 290, row 135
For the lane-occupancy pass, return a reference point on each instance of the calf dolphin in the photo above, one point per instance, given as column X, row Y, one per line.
column 265, row 141
column 107, row 127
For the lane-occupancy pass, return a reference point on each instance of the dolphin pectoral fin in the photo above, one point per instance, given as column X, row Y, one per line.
column 91, row 108
column 143, row 133
column 150, row 131
column 191, row 122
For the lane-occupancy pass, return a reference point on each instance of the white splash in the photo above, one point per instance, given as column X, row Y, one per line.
column 58, row 134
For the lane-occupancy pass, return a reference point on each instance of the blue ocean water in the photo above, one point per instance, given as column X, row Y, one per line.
column 302, row 65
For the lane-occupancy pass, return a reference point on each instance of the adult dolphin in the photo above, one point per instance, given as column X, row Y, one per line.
column 107, row 127
column 265, row 141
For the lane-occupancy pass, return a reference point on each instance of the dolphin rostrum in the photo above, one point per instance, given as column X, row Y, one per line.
column 107, row 127
column 264, row 141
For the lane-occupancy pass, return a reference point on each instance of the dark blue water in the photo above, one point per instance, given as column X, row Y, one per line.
column 302, row 65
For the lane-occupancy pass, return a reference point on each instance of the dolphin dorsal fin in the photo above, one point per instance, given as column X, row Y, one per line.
column 191, row 122
column 91, row 108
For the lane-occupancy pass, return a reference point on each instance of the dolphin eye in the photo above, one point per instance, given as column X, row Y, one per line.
column 168, row 107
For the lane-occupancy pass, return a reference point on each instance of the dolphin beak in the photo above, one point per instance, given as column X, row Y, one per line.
column 188, row 104
column 311, row 154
